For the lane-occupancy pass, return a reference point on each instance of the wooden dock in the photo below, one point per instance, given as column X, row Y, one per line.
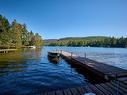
column 123, row 79
column 117, row 76
column 7, row 50
column 109, row 88
column 116, row 83
column 101, row 69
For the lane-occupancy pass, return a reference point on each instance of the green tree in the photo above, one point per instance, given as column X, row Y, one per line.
column 16, row 33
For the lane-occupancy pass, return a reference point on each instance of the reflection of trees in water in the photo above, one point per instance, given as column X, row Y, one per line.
column 21, row 55
column 16, row 61
column 32, row 53
column 54, row 60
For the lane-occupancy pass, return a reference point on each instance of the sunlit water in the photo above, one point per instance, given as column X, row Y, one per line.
column 112, row 56
column 30, row 71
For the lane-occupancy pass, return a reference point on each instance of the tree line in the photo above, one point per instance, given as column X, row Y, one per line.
column 92, row 42
column 16, row 35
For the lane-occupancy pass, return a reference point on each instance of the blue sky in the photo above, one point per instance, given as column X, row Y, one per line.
column 69, row 18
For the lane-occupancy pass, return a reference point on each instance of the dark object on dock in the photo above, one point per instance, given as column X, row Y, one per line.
column 54, row 60
column 53, row 54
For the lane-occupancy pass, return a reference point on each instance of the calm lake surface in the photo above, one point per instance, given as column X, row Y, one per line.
column 32, row 72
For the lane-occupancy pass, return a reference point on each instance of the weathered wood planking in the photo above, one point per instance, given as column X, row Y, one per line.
column 107, row 69
column 104, row 70
column 123, row 79
column 114, row 87
column 109, row 88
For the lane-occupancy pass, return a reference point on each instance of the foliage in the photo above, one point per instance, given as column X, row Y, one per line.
column 95, row 41
column 16, row 35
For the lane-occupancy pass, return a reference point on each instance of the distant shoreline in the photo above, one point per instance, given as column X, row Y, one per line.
column 84, row 46
column 91, row 41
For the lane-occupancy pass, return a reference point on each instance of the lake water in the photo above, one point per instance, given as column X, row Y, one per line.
column 31, row 72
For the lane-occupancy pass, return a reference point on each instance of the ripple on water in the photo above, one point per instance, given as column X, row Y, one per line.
column 31, row 72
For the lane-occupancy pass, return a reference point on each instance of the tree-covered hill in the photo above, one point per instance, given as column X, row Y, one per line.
column 16, row 35
column 50, row 40
column 93, row 41
column 84, row 38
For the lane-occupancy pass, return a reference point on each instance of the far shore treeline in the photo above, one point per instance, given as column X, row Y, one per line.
column 92, row 41
column 16, row 35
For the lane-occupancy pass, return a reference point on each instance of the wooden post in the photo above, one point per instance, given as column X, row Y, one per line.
column 61, row 51
column 85, row 55
column 71, row 54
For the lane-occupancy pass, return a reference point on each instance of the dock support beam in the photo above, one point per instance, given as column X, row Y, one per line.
column 71, row 54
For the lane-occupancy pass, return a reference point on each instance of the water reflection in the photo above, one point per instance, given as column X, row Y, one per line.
column 17, row 61
column 30, row 69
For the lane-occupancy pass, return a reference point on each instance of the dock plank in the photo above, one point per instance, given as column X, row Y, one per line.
column 51, row 93
column 116, row 74
column 59, row 92
column 122, row 86
column 81, row 90
column 112, row 91
column 105, row 68
column 108, row 88
column 67, row 92
column 116, row 88
column 123, row 79
column 96, row 90
column 103, row 89
column 74, row 91
column 99, row 67
column 87, row 88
